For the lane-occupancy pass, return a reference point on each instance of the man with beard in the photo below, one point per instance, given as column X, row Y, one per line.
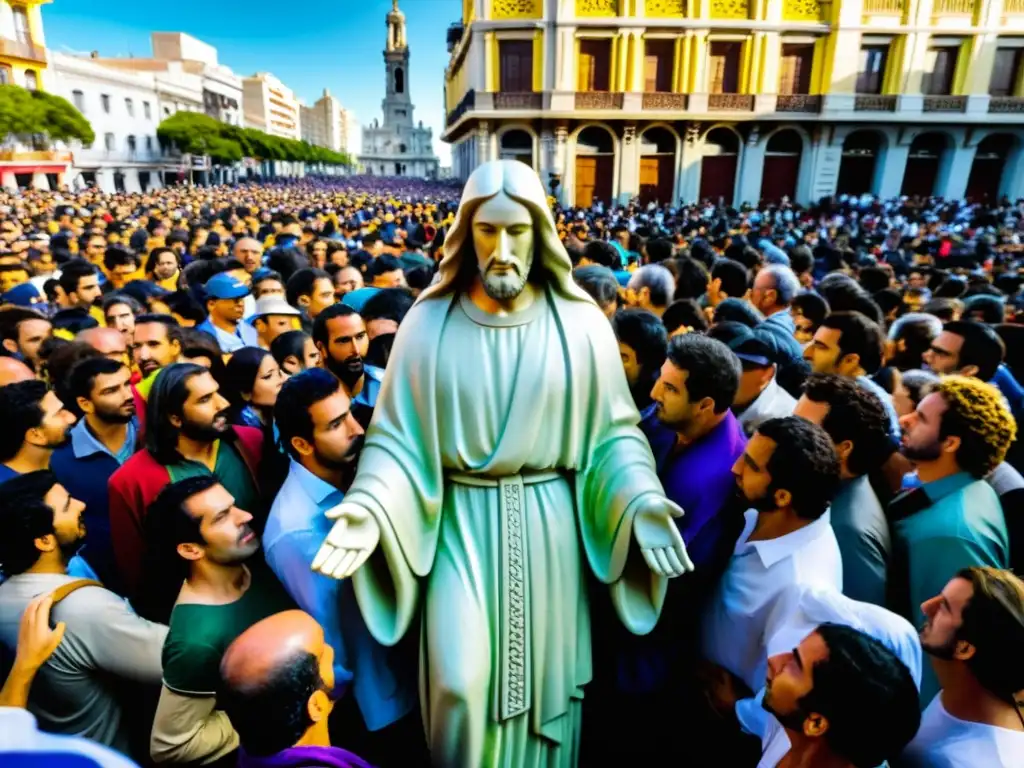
column 341, row 337
column 103, row 440
column 322, row 437
column 35, row 423
column 974, row 631
column 23, row 332
column 201, row 546
column 157, row 344
column 41, row 528
column 787, row 475
column 959, row 433
column 840, row 699
column 225, row 305
column 188, row 434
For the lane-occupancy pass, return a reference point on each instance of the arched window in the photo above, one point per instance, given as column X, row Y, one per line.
column 31, row 79
column 399, row 80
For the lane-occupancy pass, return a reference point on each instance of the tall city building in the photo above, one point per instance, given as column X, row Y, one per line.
column 325, row 124
column 398, row 147
column 222, row 88
column 737, row 100
column 23, row 61
column 271, row 106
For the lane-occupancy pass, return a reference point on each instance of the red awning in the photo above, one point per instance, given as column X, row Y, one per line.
column 33, row 168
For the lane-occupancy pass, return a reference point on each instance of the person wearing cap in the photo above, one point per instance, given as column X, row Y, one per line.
column 225, row 303
column 273, row 317
column 759, row 396
column 973, row 633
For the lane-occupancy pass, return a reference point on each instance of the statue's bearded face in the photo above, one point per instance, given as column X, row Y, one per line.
column 503, row 242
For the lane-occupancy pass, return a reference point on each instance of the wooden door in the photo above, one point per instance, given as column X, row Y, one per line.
column 718, row 178
column 780, row 176
column 919, row 178
column 586, row 180
column 856, row 174
column 985, row 178
column 649, row 169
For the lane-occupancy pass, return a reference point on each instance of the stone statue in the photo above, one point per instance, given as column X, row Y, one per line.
column 504, row 455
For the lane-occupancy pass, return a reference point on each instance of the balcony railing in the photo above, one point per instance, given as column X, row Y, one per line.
column 884, row 7
column 19, row 50
column 676, row 101
column 874, row 103
column 798, row 102
column 518, row 100
column 953, row 8
column 467, row 103
column 46, row 156
column 730, row 102
column 1013, row 6
column 598, row 100
column 945, row 103
column 1006, row 104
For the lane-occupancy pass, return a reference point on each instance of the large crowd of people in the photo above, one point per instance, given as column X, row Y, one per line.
column 831, row 393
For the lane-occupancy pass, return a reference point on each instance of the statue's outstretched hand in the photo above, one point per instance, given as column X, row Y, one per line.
column 351, row 541
column 660, row 541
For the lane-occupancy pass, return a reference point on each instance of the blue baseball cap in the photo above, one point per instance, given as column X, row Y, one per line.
column 226, row 286
column 358, row 298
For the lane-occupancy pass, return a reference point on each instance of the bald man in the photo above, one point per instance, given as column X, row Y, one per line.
column 13, row 370
column 277, row 677
column 109, row 342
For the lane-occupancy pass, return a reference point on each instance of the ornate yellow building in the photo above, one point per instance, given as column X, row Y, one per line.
column 23, row 61
column 744, row 100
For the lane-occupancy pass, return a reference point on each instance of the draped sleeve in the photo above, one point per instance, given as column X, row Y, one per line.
column 615, row 469
column 400, row 479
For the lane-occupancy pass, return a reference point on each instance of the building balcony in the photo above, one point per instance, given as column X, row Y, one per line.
column 798, row 102
column 885, row 9
column 598, row 100
column 15, row 49
column 1006, row 105
column 962, row 8
column 467, row 103
column 45, row 156
column 510, row 100
column 874, row 103
column 670, row 101
column 730, row 102
column 945, row 103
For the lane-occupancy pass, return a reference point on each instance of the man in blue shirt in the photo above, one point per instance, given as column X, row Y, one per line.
column 103, row 440
column 323, row 440
column 225, row 302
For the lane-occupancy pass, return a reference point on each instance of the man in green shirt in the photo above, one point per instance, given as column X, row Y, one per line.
column 959, row 433
column 198, row 534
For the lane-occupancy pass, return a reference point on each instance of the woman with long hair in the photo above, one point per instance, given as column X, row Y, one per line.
column 252, row 380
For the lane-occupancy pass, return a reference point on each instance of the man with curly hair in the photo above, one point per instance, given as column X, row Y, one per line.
column 959, row 433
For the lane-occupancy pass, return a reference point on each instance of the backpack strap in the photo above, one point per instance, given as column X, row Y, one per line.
column 72, row 586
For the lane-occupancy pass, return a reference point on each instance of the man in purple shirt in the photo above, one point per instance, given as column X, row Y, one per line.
column 695, row 437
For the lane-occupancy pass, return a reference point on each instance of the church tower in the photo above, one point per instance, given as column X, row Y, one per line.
column 397, row 105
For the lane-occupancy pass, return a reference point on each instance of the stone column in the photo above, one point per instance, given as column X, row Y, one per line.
column 689, row 166
column 561, row 161
column 954, row 171
column 751, row 173
column 890, row 167
column 483, row 144
column 9, row 181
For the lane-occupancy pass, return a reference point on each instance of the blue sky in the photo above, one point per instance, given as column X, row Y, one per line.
column 309, row 44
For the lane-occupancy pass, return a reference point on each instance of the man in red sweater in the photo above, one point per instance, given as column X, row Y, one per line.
column 188, row 435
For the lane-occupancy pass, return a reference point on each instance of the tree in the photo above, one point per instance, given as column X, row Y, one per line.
column 40, row 118
column 198, row 134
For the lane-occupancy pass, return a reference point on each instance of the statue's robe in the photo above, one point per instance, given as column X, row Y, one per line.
column 498, row 569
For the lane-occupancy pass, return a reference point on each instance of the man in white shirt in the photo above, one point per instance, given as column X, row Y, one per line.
column 788, row 474
column 840, row 699
column 974, row 632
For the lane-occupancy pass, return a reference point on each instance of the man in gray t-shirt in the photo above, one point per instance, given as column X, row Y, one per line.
column 74, row 691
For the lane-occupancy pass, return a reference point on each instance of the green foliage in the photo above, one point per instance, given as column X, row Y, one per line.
column 198, row 134
column 40, row 117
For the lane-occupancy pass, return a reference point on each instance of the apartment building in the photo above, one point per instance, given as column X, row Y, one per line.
column 742, row 100
column 271, row 106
